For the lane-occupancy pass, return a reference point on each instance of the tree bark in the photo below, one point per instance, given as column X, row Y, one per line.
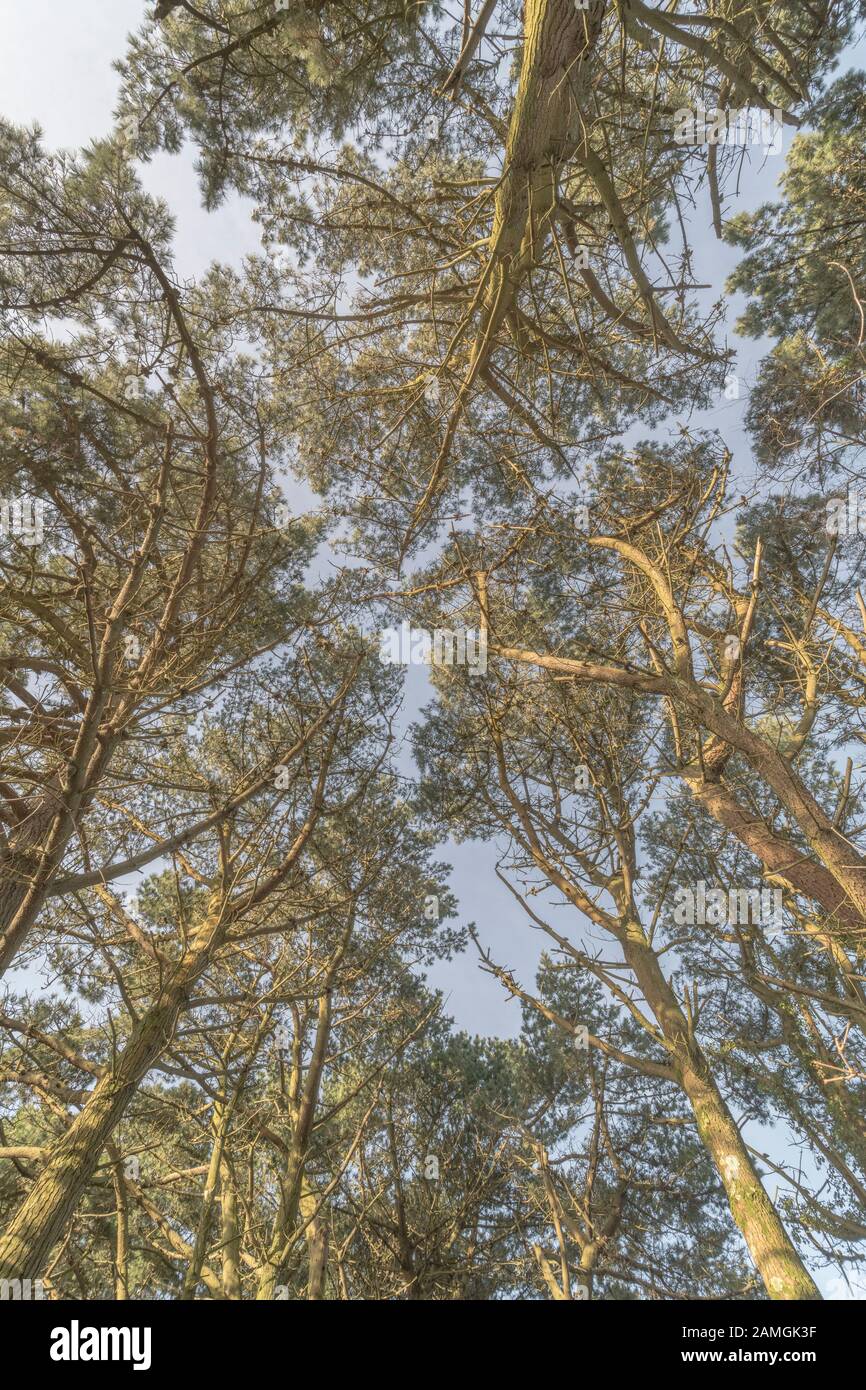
column 774, row 1254
column 43, row 1217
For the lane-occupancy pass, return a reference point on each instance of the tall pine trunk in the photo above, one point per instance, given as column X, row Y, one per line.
column 42, row 1219
column 773, row 1252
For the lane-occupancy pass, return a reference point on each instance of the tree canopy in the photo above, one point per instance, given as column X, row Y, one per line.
column 467, row 394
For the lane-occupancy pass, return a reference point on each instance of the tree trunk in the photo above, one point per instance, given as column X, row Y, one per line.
column 230, row 1233
column 43, row 1218
column 774, row 1254
column 290, row 1197
column 317, row 1244
column 121, row 1245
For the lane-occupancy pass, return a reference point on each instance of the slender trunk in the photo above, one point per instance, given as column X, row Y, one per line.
column 772, row 1250
column 774, row 1254
column 44, row 1216
column 193, row 1269
column 287, row 1213
column 230, row 1233
column 121, row 1248
column 317, row 1244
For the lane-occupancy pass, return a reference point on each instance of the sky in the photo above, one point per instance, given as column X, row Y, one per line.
column 56, row 69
